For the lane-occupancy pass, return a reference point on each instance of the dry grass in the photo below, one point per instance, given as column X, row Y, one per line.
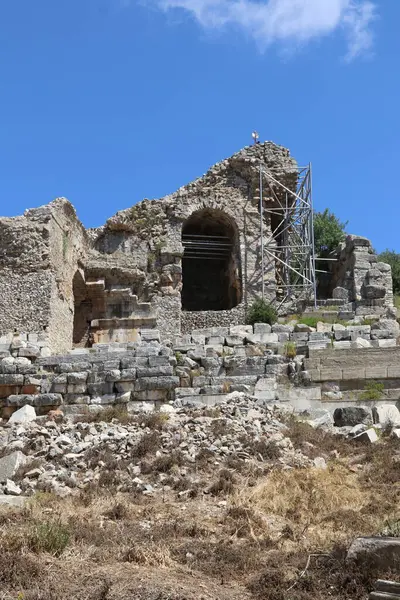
column 248, row 538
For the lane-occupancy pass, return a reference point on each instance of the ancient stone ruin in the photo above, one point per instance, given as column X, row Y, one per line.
column 188, row 260
column 152, row 306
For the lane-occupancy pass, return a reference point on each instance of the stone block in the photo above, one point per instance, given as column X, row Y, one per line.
column 104, row 400
column 351, row 416
column 262, row 338
column 79, row 388
column 159, row 361
column 302, row 328
column 147, row 351
column 299, row 337
column 393, row 372
column 10, row 464
column 344, row 345
column 11, row 379
column 386, row 343
column 330, row 374
column 215, row 340
column 150, row 335
column 13, row 501
column 212, row 365
column 324, row 327
column 277, row 328
column 386, row 414
column 124, row 386
column 77, row 378
column 379, row 552
column 76, row 398
column 375, row 372
column 29, row 352
column 157, row 371
column 283, row 337
column 216, row 350
column 156, row 383
column 189, row 391
column 198, row 339
column 382, row 334
column 266, row 389
column 59, row 388
column 112, row 375
column 353, row 373
column 26, row 414
column 234, row 340
column 242, row 330
column 128, row 374
column 342, row 335
column 367, row 437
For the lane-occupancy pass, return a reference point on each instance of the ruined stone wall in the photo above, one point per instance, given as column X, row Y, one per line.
column 39, row 253
column 368, row 282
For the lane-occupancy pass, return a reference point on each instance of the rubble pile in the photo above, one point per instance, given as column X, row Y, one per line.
column 41, row 454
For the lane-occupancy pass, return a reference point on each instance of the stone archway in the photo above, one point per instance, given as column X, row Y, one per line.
column 211, row 270
column 82, row 311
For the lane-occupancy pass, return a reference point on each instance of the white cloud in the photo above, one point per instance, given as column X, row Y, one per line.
column 285, row 21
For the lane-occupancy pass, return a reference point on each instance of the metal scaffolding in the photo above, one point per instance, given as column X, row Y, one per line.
column 291, row 243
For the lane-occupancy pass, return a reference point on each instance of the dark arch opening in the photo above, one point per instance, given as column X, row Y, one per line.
column 82, row 312
column 211, row 269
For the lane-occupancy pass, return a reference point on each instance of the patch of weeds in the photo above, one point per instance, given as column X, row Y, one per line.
column 322, row 442
column 154, row 420
column 224, row 484
column 166, row 462
column 51, row 537
column 117, row 512
column 149, row 443
column 373, row 391
column 290, row 349
column 119, row 413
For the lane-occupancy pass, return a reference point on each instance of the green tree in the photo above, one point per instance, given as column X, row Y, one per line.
column 392, row 258
column 328, row 232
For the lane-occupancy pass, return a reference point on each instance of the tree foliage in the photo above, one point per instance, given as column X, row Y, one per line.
column 328, row 232
column 392, row 258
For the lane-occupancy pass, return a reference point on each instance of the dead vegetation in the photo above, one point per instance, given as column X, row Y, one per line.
column 241, row 530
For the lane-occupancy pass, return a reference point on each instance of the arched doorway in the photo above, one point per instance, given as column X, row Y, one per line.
column 211, row 270
column 82, row 311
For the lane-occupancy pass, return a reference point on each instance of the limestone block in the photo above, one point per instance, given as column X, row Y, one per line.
column 330, row 374
column 212, row 365
column 123, row 397
column 10, row 464
column 11, row 379
column 319, row 344
column 279, row 328
column 77, row 378
column 302, row 328
column 215, row 340
column 380, row 552
column 338, row 327
column 266, row 389
column 386, row 343
column 140, row 407
column 386, row 414
column 29, row 352
column 128, row 374
column 189, row 391
column 157, row 371
column 318, row 336
column 7, row 365
column 342, row 335
column 26, row 414
column 156, row 383
column 148, row 351
column 375, row 372
column 351, row 416
column 76, row 398
column 299, row 338
column 283, row 337
column 342, row 345
column 324, row 327
column 387, row 325
column 104, row 400
column 150, row 335
column 156, row 361
column 14, row 501
column 113, row 375
column 79, row 388
column 393, row 371
column 382, row 334
column 372, row 292
column 123, row 387
column 360, row 342
column 198, row 339
column 262, row 338
column 242, row 330
column 235, row 340
column 340, row 293
column 353, row 373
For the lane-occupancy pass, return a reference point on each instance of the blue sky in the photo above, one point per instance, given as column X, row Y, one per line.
column 107, row 102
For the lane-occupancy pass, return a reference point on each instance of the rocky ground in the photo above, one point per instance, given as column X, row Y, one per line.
column 238, row 501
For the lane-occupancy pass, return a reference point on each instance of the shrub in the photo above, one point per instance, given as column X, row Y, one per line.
column 49, row 536
column 392, row 258
column 372, row 391
column 261, row 312
column 328, row 232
